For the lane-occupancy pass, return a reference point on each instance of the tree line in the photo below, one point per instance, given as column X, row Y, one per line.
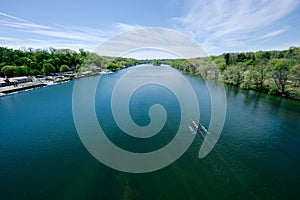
column 273, row 72
column 31, row 62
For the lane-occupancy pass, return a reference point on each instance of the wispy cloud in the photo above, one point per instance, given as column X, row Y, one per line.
column 12, row 17
column 15, row 22
column 219, row 21
column 126, row 27
column 273, row 33
column 17, row 32
column 68, row 33
column 156, row 41
column 218, row 25
column 21, row 25
column 8, row 38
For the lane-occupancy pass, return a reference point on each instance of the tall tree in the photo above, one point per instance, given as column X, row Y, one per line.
column 295, row 75
column 280, row 72
column 64, row 68
column 48, row 68
column 8, row 71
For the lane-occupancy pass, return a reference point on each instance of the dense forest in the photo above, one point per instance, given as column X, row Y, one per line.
column 273, row 72
column 16, row 62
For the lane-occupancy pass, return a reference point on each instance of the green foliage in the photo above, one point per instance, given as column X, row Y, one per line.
column 21, row 70
column 275, row 72
column 93, row 59
column 273, row 91
column 11, row 71
column 227, row 57
column 64, row 68
column 8, row 71
column 295, row 75
column 82, row 69
column 113, row 66
column 34, row 72
column 48, row 68
column 280, row 72
column 34, row 60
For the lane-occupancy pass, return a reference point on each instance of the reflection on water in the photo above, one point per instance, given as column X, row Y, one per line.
column 42, row 157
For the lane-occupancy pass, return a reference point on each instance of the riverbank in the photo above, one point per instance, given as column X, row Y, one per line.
column 241, row 87
column 21, row 87
column 45, row 81
column 267, row 85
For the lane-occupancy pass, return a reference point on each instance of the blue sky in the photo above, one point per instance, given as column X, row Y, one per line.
column 216, row 25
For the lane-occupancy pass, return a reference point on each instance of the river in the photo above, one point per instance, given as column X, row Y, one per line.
column 42, row 157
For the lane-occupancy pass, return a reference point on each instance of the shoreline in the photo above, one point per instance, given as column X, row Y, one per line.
column 241, row 88
column 22, row 87
column 38, row 84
